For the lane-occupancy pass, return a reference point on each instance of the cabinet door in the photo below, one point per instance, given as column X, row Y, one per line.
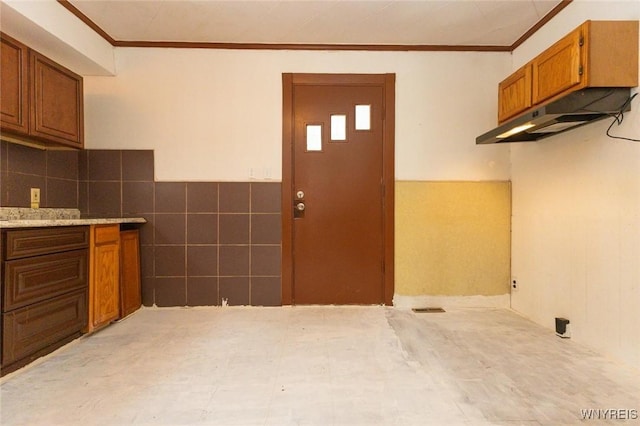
column 56, row 102
column 104, row 285
column 558, row 68
column 106, row 301
column 514, row 93
column 130, row 292
column 14, row 108
column 33, row 328
column 34, row 279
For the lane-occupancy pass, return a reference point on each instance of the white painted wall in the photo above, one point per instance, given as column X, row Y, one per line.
column 576, row 215
column 216, row 114
column 52, row 30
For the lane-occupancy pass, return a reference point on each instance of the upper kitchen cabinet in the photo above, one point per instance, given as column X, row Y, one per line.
column 56, row 102
column 14, row 86
column 596, row 54
column 514, row 93
column 42, row 101
column 558, row 68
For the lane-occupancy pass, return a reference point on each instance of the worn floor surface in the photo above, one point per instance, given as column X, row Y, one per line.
column 320, row 366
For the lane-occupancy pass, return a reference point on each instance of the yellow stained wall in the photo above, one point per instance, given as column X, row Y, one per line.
column 452, row 238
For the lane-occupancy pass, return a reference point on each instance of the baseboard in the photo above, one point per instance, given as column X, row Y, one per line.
column 409, row 302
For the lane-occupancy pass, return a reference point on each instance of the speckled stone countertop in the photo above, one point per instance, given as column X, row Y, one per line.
column 16, row 217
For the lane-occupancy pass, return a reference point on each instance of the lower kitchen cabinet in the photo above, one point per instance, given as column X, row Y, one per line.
column 44, row 291
column 130, row 289
column 45, row 325
column 104, row 276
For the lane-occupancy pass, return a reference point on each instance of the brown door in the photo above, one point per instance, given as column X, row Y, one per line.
column 337, row 191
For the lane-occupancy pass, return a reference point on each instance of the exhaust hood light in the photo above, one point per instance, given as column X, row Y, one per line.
column 515, row 130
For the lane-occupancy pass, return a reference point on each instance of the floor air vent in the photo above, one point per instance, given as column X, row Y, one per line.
column 428, row 310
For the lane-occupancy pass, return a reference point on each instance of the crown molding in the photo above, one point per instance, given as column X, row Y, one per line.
column 317, row 46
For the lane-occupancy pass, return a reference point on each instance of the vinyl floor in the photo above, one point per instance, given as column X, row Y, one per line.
column 367, row 365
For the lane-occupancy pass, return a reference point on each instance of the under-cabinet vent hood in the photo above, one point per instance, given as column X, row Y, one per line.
column 573, row 110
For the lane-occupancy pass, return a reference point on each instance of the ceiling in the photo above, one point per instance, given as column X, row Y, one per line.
column 351, row 22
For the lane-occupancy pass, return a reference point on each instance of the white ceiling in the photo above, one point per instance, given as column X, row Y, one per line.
column 421, row 22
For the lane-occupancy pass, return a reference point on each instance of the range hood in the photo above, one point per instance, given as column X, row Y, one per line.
column 575, row 109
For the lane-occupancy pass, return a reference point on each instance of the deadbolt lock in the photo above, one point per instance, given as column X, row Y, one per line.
column 300, row 195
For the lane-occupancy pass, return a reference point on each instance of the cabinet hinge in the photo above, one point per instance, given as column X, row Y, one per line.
column 581, row 41
column 580, row 70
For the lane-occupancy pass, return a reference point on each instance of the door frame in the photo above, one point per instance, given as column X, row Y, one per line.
column 387, row 82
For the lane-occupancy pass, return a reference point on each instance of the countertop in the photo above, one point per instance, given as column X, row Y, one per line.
column 39, row 223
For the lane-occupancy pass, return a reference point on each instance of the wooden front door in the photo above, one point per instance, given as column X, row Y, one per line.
column 338, row 189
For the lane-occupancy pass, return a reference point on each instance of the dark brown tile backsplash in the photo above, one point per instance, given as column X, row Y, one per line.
column 202, row 197
column 234, row 291
column 137, row 197
column 265, row 197
column 62, row 165
column 234, row 261
column 19, row 189
column 203, row 243
column 234, row 228
column 26, row 160
column 265, row 291
column 4, row 149
column 170, row 228
column 266, row 229
column 234, row 197
column 170, row 261
column 170, row 291
column 137, row 165
column 61, row 193
column 104, row 165
column 202, row 261
column 202, row 291
column 104, row 198
column 202, row 228
column 54, row 172
column 171, row 197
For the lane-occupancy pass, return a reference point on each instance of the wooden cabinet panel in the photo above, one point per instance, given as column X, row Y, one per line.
column 106, row 302
column 27, row 330
column 130, row 290
column 56, row 99
column 14, row 86
column 44, row 291
column 558, row 68
column 514, row 93
column 107, row 234
column 32, row 280
column 596, row 54
column 611, row 53
column 33, row 242
column 104, row 275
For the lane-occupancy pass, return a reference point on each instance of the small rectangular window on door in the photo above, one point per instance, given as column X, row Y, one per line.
column 363, row 117
column 338, row 127
column 314, row 137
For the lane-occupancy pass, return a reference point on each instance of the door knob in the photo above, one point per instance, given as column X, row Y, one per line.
column 300, row 207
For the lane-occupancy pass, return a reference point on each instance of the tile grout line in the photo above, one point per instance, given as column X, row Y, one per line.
column 186, row 244
column 250, row 246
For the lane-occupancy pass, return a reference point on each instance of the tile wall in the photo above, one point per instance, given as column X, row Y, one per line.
column 54, row 172
column 205, row 243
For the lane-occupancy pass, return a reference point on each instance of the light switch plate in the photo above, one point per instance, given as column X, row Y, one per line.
column 35, row 198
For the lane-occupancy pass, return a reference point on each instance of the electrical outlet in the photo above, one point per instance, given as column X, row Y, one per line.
column 514, row 283
column 35, row 198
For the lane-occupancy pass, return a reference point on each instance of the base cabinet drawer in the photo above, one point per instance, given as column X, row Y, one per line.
column 34, row 242
column 35, row 327
column 32, row 280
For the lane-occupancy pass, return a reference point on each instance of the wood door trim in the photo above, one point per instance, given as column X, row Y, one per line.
column 387, row 82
